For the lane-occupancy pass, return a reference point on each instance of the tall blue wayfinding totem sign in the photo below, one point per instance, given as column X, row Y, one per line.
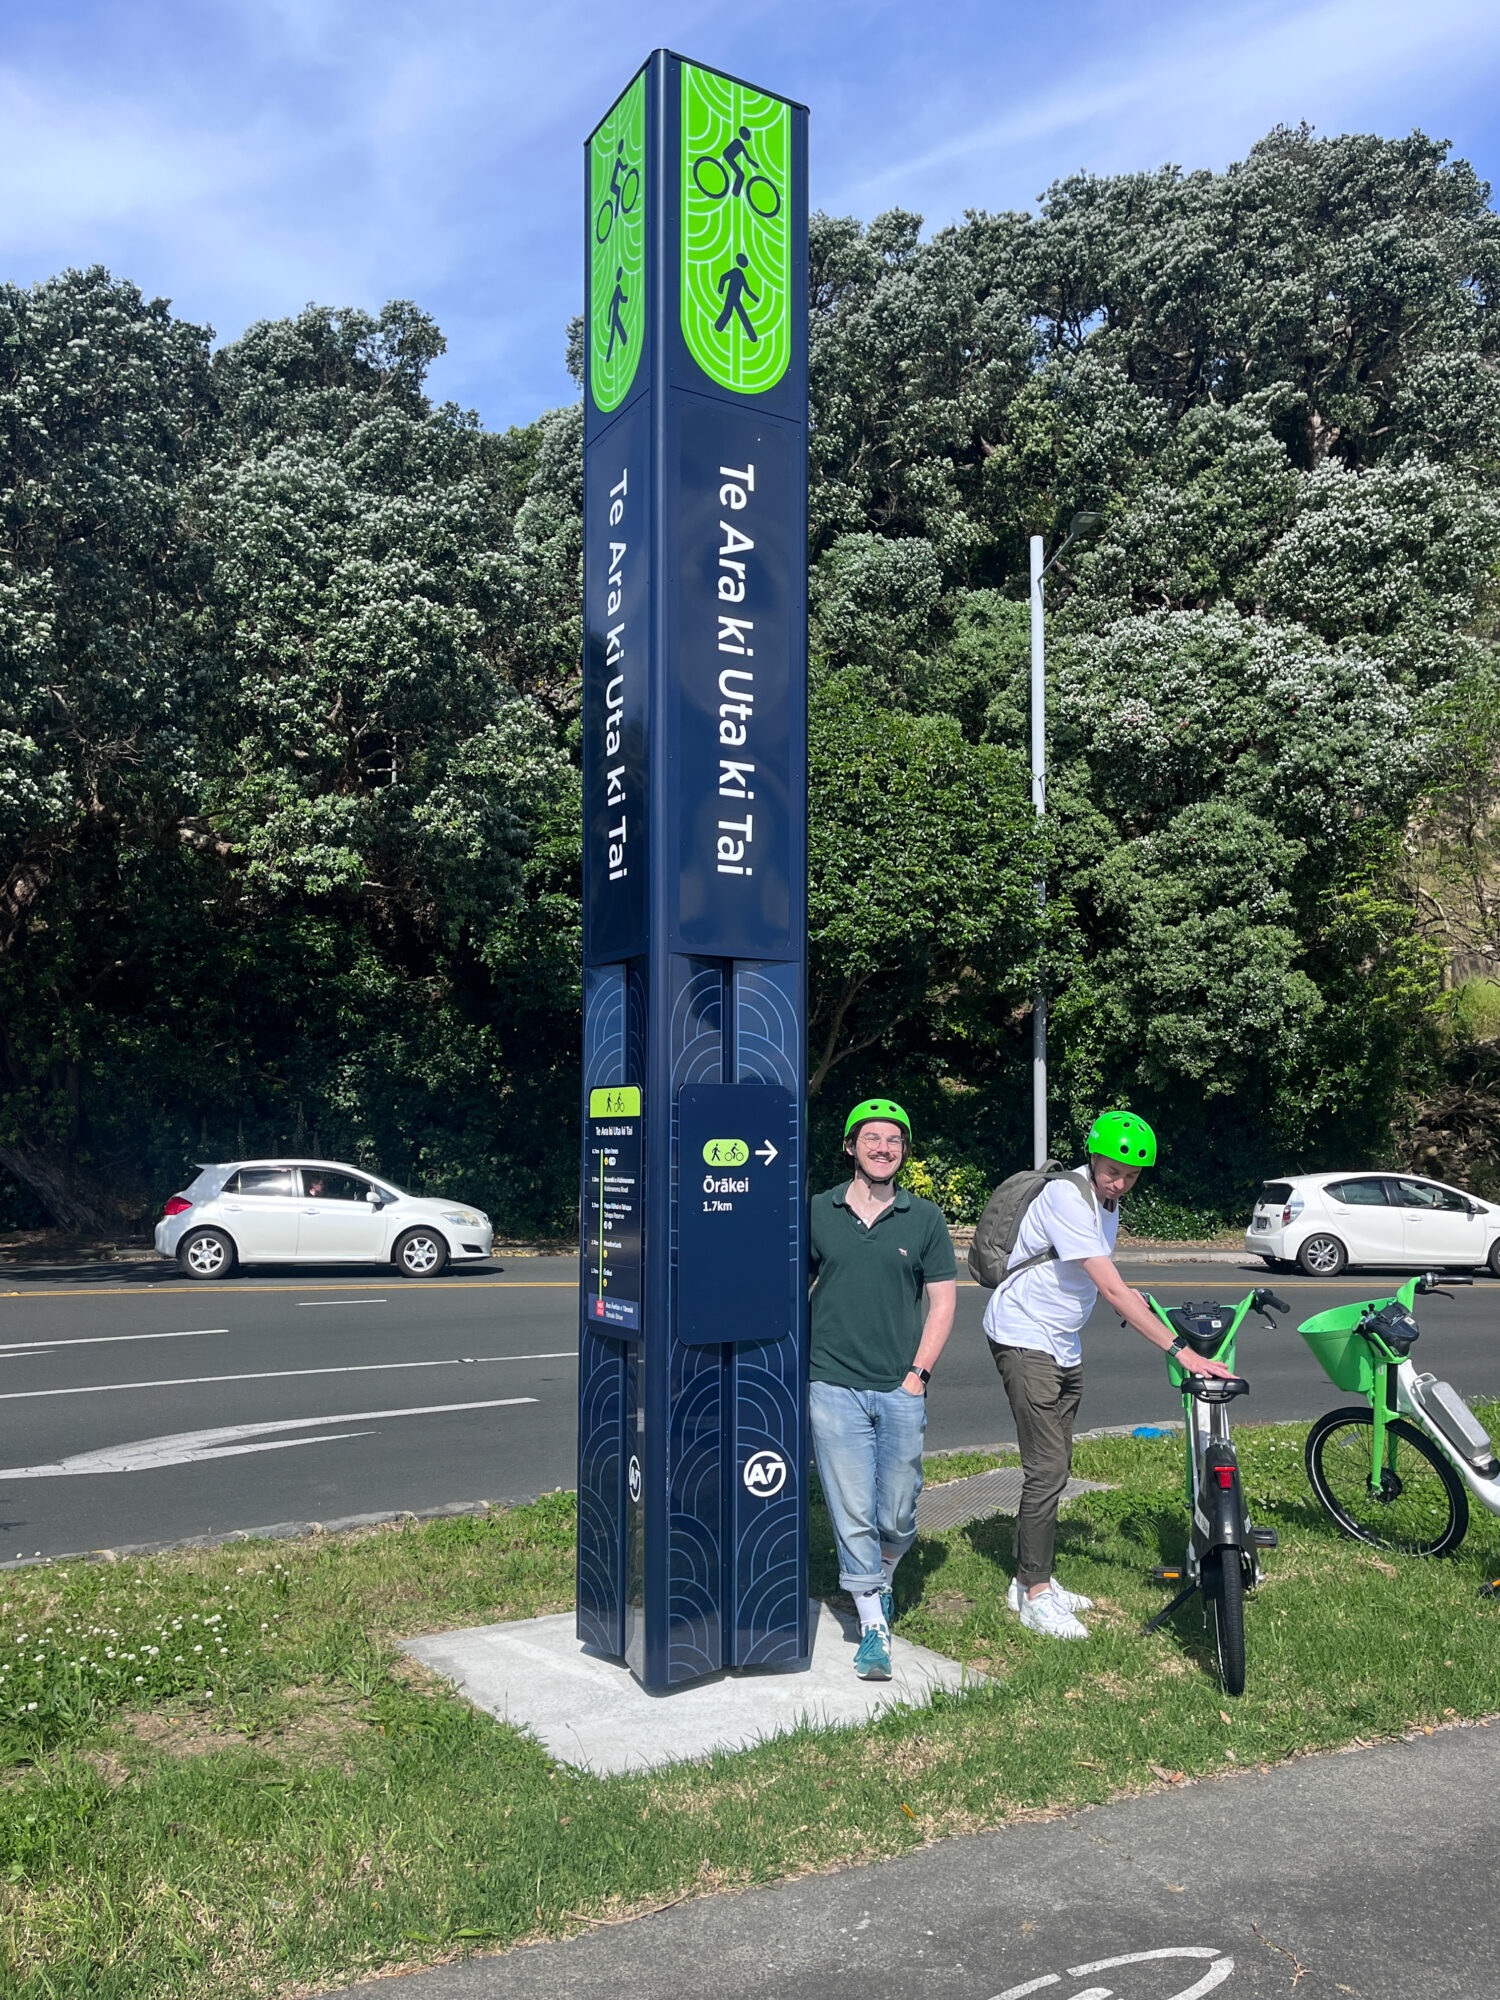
column 692, row 1421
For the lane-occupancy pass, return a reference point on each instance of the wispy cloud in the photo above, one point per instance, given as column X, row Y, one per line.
column 245, row 157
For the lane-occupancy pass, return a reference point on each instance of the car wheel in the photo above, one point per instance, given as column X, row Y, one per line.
column 1322, row 1256
column 207, row 1253
column 420, row 1253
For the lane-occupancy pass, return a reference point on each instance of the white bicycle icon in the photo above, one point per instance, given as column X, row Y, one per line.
column 1219, row 1969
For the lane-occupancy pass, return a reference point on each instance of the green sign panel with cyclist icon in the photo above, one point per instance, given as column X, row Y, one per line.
column 617, row 248
column 736, row 231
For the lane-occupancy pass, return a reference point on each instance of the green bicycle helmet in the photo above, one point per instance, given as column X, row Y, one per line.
column 1120, row 1135
column 877, row 1107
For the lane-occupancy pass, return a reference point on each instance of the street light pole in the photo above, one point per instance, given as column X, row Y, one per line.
column 1079, row 528
column 1039, row 802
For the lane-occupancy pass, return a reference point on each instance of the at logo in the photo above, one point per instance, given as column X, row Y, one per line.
column 633, row 1477
column 765, row 1474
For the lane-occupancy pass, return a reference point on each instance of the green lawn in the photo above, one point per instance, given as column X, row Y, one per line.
column 295, row 1804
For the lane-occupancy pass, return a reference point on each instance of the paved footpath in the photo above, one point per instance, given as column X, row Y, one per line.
column 1369, row 1873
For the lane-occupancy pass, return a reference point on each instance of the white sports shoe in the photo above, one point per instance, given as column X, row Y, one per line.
column 1073, row 1600
column 1047, row 1613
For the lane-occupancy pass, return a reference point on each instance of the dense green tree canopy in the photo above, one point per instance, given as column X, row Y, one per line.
column 289, row 687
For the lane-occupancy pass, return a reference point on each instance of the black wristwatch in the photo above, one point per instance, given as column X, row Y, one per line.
column 1177, row 1346
column 923, row 1375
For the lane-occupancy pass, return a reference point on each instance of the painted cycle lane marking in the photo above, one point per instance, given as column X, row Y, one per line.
column 1218, row 1971
column 230, row 1441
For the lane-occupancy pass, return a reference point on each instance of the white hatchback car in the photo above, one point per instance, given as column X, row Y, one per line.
column 314, row 1212
column 1324, row 1222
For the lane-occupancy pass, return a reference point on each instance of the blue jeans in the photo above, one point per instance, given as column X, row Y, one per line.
column 869, row 1450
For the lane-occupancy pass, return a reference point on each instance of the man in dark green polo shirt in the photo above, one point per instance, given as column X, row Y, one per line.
column 877, row 1253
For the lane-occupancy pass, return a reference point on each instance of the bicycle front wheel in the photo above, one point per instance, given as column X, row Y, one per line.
column 1224, row 1586
column 1421, row 1508
column 762, row 196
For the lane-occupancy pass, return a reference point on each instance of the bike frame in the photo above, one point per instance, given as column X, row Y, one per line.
column 1223, row 1521
column 1392, row 1387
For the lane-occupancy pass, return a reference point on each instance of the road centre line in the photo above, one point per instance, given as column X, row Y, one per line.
column 287, row 1374
column 306, row 1305
column 45, row 1346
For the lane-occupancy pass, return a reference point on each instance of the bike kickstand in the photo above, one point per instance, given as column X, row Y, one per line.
column 1187, row 1591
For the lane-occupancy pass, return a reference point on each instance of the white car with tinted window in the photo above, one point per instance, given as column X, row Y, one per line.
column 1324, row 1222
column 314, row 1212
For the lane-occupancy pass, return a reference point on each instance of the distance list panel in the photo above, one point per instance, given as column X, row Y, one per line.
column 612, row 1212
column 735, row 1213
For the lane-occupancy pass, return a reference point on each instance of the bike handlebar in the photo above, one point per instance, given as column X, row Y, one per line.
column 1437, row 1281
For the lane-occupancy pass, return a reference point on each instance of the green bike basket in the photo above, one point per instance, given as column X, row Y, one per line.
column 1341, row 1349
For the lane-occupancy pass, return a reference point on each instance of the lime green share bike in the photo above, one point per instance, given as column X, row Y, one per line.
column 1396, row 1469
column 1224, row 1544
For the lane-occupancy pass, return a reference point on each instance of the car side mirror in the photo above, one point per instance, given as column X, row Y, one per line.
column 375, row 1198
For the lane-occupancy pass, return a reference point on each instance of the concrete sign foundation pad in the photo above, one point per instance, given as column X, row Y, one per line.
column 589, row 1711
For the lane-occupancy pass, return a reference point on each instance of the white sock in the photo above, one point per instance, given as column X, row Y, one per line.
column 888, row 1570
column 867, row 1604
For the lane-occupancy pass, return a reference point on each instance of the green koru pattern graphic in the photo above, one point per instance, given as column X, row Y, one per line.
column 617, row 248
column 736, row 231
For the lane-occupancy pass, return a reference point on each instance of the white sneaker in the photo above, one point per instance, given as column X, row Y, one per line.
column 1073, row 1600
column 1047, row 1613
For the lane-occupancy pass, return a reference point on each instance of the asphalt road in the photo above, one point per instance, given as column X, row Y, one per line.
column 139, row 1407
column 1364, row 1874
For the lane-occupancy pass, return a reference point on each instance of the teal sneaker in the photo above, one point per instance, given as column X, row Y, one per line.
column 888, row 1607
column 873, row 1660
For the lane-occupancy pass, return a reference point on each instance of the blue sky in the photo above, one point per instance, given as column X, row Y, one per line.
column 242, row 157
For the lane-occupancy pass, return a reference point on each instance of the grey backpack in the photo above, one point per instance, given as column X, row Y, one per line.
column 999, row 1226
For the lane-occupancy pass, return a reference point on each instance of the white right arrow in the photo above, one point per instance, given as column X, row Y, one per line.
column 767, row 1152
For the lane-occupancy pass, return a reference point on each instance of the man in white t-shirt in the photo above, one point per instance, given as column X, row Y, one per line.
column 1066, row 1241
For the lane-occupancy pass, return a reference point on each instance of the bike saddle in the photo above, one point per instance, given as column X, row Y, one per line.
column 1202, row 1327
column 1210, row 1389
column 1395, row 1326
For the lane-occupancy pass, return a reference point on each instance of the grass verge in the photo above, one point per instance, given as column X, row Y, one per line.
column 294, row 1804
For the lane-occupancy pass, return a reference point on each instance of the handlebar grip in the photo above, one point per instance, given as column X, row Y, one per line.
column 1280, row 1304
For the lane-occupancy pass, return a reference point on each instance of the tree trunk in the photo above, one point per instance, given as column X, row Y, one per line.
column 67, row 1198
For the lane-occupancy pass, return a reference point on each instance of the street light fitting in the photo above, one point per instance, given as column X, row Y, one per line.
column 1080, row 529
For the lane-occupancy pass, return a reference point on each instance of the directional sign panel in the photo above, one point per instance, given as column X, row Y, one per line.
column 735, row 1214
column 612, row 1211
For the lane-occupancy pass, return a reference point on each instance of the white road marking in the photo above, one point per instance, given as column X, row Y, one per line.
column 106, row 1340
column 188, row 1447
column 1216, row 1974
column 286, row 1374
column 301, row 1303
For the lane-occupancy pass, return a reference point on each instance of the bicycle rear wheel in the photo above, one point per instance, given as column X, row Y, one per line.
column 1224, row 1587
column 1422, row 1508
column 712, row 176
